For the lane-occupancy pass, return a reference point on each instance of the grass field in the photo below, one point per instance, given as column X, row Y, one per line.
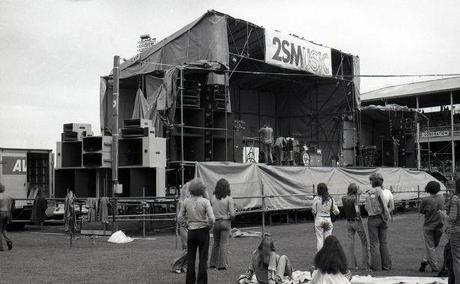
column 42, row 256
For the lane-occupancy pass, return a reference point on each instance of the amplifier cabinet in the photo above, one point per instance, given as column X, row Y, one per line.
column 142, row 151
column 77, row 127
column 97, row 151
column 68, row 154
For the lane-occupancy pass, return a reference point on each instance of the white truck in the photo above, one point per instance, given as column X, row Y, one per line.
column 23, row 172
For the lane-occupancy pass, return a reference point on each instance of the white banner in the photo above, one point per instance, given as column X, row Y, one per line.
column 293, row 53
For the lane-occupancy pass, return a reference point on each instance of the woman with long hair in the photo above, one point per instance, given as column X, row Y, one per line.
column 223, row 207
column 355, row 226
column 323, row 206
column 331, row 264
column 267, row 265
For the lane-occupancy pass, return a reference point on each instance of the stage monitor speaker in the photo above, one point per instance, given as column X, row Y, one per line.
column 143, row 151
column 68, row 154
column 77, row 127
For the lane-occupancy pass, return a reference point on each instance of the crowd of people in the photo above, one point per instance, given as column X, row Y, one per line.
column 332, row 264
column 199, row 214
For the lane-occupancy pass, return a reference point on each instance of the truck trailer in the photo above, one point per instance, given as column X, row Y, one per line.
column 24, row 172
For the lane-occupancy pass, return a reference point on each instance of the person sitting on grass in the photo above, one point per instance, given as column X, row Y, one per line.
column 268, row 266
column 432, row 206
column 331, row 264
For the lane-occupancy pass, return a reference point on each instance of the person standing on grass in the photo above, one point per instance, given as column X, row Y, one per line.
column 431, row 207
column 389, row 201
column 223, row 208
column 322, row 208
column 355, row 225
column 197, row 212
column 331, row 264
column 6, row 205
column 379, row 216
column 454, row 231
column 180, row 264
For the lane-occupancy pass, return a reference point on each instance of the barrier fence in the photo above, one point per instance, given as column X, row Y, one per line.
column 145, row 209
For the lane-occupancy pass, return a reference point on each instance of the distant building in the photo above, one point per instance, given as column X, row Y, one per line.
column 437, row 120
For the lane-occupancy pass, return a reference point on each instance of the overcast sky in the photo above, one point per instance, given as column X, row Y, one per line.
column 53, row 51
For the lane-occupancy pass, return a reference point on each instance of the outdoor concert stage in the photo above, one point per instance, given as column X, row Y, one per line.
column 219, row 79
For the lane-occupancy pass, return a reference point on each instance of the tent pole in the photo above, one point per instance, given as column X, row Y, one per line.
column 419, row 162
column 452, row 133
column 115, row 131
column 182, row 126
column 226, row 118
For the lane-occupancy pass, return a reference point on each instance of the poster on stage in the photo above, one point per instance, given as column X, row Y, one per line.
column 294, row 53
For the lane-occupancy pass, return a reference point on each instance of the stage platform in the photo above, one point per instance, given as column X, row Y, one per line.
column 289, row 187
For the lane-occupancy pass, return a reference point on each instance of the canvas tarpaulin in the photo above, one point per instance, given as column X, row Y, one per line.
column 203, row 39
column 259, row 179
column 141, row 107
column 159, row 100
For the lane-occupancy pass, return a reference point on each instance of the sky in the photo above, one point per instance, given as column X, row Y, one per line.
column 54, row 51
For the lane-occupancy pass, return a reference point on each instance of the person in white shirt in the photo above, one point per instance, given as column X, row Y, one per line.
column 323, row 205
column 388, row 199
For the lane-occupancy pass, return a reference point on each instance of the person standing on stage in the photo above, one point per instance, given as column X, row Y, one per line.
column 432, row 207
column 223, row 207
column 266, row 138
column 280, row 148
column 197, row 212
column 379, row 216
column 322, row 208
column 6, row 206
column 355, row 225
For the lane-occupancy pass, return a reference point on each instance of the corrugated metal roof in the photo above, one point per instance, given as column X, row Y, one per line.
column 413, row 89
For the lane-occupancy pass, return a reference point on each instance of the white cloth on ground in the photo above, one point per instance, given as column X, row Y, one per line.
column 119, row 238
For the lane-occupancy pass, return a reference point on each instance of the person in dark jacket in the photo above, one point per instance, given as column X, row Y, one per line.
column 6, row 203
column 432, row 206
column 39, row 209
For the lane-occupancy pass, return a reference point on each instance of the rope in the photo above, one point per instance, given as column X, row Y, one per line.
column 312, row 75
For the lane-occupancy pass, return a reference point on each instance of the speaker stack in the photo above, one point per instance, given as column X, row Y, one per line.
column 192, row 94
column 97, row 152
column 139, row 147
column 214, row 105
column 69, row 149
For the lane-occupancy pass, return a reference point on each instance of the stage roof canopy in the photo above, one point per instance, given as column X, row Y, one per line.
column 430, row 93
column 216, row 36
